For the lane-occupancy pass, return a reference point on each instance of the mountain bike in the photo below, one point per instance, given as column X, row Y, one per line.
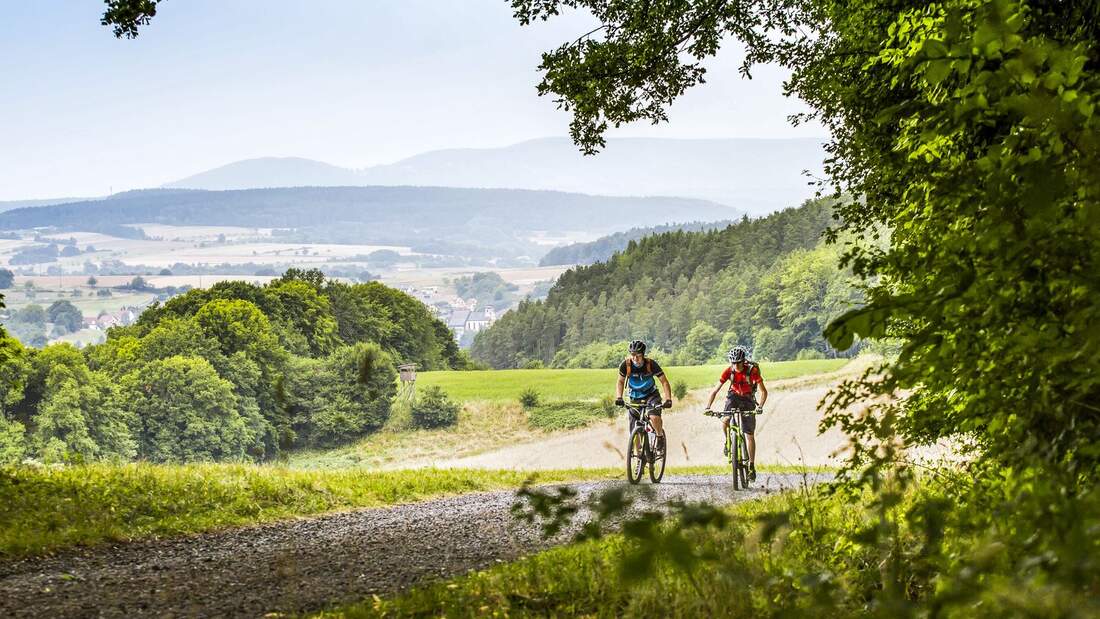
column 739, row 448
column 641, row 450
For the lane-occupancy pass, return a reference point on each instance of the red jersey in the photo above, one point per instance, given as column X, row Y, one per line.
column 740, row 384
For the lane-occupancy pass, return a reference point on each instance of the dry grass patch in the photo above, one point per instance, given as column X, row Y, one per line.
column 481, row 426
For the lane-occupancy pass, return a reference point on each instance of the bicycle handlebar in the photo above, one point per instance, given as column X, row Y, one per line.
column 730, row 413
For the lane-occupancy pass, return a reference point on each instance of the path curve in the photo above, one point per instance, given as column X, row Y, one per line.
column 308, row 564
column 787, row 434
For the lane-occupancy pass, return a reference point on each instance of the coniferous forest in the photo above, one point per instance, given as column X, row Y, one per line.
column 770, row 283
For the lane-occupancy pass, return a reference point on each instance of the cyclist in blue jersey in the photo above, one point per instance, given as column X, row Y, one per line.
column 638, row 375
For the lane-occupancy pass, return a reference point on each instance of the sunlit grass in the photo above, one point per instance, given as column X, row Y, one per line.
column 42, row 509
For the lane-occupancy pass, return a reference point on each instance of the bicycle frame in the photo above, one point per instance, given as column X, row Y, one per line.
column 738, row 455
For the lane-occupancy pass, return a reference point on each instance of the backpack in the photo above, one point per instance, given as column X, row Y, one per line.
column 749, row 367
column 630, row 366
column 648, row 385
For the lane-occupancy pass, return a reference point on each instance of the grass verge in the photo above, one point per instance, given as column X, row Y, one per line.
column 44, row 509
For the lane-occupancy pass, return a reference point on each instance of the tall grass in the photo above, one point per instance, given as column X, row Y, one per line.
column 43, row 509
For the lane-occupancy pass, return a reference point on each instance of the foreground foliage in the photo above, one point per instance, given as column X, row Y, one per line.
column 810, row 553
column 967, row 131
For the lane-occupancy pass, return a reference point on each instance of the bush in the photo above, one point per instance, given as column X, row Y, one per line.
column 565, row 415
column 534, row 364
column 679, row 389
column 529, row 398
column 807, row 354
column 433, row 409
column 607, row 406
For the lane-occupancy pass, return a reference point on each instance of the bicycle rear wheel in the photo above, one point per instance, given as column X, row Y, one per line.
column 735, row 459
column 743, row 456
column 657, row 463
column 636, row 449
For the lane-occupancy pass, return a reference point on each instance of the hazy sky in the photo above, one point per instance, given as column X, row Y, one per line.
column 350, row 82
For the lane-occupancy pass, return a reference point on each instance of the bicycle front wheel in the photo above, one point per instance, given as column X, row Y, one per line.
column 657, row 463
column 635, row 455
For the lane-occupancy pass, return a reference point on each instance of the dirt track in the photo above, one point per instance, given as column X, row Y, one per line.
column 787, row 433
column 304, row 565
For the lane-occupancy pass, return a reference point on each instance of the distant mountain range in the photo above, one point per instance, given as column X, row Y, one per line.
column 751, row 175
column 491, row 222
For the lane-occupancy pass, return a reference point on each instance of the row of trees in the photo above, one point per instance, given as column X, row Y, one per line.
column 236, row 371
column 769, row 283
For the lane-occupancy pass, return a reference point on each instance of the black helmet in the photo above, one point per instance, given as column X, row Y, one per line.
column 637, row 346
column 737, row 354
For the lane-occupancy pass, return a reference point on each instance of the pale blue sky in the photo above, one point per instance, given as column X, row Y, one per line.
column 350, row 82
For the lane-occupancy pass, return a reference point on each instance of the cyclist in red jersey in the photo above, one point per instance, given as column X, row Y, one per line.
column 745, row 379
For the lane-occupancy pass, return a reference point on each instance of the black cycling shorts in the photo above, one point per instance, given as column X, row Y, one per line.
column 653, row 400
column 736, row 402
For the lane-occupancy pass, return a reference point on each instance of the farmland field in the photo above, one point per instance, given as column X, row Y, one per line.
column 583, row 384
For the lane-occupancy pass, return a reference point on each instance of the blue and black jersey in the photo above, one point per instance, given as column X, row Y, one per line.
column 641, row 380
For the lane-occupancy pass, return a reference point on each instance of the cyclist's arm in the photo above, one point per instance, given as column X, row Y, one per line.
column 619, row 388
column 763, row 393
column 714, row 393
column 666, row 387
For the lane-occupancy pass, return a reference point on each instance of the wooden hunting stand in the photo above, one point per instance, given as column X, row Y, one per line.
column 407, row 372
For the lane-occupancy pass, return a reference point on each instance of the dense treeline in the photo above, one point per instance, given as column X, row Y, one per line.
column 769, row 283
column 236, row 371
column 604, row 247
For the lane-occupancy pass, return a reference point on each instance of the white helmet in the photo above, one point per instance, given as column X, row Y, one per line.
column 737, row 354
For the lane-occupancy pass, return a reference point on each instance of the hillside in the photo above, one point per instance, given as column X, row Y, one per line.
column 603, row 248
column 768, row 283
column 8, row 205
column 751, row 175
column 497, row 218
column 270, row 172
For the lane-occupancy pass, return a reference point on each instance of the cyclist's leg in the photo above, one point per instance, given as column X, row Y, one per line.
column 748, row 425
column 654, row 403
column 726, row 423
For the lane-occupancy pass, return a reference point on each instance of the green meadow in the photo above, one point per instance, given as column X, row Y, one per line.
column 497, row 385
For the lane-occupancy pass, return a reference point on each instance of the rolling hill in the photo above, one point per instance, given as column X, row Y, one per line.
column 481, row 218
column 752, row 175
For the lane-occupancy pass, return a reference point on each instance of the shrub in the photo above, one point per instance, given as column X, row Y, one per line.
column 433, row 409
column 534, row 364
column 565, row 415
column 807, row 354
column 679, row 389
column 607, row 406
column 529, row 398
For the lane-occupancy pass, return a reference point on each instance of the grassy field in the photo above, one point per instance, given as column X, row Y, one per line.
column 43, row 509
column 498, row 385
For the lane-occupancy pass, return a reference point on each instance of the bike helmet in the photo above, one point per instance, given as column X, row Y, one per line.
column 737, row 354
column 637, row 346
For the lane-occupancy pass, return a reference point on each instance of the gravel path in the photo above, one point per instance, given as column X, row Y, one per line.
column 306, row 564
column 787, row 434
